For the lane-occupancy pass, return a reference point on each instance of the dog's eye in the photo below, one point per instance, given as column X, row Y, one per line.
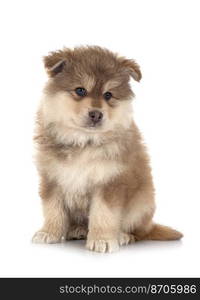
column 80, row 91
column 107, row 96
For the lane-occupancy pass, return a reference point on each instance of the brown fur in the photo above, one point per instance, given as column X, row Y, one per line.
column 158, row 232
column 96, row 181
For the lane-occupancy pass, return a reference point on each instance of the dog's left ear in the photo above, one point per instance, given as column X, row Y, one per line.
column 54, row 63
column 133, row 68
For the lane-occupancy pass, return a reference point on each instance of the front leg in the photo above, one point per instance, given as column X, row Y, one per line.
column 56, row 219
column 104, row 222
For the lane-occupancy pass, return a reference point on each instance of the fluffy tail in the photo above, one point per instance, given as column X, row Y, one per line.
column 160, row 233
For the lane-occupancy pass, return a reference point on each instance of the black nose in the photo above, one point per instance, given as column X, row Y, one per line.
column 95, row 116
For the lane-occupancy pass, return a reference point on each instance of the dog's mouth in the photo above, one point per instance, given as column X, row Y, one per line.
column 88, row 125
column 93, row 125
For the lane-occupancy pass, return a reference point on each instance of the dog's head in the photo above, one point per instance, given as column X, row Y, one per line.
column 89, row 88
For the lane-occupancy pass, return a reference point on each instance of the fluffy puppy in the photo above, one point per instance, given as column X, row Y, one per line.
column 96, row 181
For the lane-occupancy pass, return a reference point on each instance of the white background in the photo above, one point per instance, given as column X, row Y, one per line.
column 163, row 36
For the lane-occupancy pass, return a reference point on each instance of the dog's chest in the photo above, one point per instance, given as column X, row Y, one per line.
column 81, row 172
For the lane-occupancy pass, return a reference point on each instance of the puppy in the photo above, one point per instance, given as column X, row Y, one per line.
column 96, row 181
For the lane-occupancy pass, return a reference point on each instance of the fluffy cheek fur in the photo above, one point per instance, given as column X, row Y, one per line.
column 62, row 109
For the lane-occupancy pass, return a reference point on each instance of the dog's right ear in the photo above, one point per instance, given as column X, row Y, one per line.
column 54, row 63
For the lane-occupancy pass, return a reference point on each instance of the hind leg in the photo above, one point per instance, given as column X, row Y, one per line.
column 126, row 238
column 78, row 228
column 77, row 232
column 142, row 231
column 137, row 218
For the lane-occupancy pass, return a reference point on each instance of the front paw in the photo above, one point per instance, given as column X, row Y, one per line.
column 102, row 245
column 41, row 237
